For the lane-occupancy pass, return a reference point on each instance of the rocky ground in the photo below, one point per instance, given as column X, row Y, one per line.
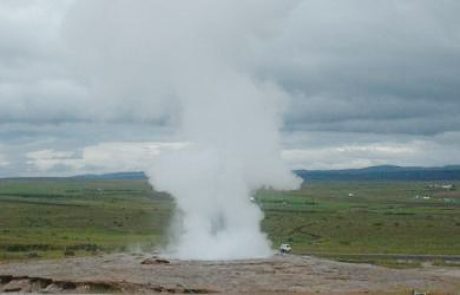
column 142, row 273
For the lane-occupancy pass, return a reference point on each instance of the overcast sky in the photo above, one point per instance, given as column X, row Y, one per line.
column 368, row 82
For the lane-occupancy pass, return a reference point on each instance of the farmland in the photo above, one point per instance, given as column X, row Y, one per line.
column 70, row 217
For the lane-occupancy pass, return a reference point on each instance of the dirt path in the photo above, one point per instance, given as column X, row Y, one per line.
column 277, row 275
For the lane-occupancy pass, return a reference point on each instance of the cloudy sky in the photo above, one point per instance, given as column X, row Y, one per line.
column 368, row 82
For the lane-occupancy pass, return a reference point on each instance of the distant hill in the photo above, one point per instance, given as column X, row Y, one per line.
column 384, row 173
column 118, row 175
column 374, row 173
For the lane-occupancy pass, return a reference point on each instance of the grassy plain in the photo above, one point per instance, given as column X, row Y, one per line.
column 58, row 217
column 50, row 218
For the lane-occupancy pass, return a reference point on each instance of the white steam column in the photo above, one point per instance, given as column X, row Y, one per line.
column 195, row 62
column 232, row 124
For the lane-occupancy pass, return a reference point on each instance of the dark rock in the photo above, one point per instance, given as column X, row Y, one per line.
column 22, row 285
column 155, row 260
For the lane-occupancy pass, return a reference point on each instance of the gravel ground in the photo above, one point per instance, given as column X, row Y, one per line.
column 142, row 273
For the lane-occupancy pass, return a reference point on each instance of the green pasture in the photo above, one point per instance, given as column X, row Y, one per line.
column 384, row 218
column 67, row 217
column 52, row 218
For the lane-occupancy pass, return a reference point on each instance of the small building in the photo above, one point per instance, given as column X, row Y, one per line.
column 448, row 187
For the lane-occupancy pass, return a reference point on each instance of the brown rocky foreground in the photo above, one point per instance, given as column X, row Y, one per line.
column 142, row 274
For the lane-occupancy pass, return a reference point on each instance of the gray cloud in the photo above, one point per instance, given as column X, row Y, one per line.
column 362, row 66
column 380, row 72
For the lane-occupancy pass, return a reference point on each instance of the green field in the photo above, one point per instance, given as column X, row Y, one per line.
column 56, row 218
column 51, row 218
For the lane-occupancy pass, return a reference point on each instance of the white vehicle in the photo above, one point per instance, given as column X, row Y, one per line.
column 285, row 248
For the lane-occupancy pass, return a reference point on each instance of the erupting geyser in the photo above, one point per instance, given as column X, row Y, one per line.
column 232, row 123
column 194, row 59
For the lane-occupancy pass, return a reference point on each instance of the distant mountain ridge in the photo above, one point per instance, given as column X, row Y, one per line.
column 116, row 175
column 384, row 173
column 373, row 173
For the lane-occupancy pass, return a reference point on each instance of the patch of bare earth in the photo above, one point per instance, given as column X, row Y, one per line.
column 126, row 273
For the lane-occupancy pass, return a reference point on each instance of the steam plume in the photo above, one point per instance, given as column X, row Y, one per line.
column 191, row 60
